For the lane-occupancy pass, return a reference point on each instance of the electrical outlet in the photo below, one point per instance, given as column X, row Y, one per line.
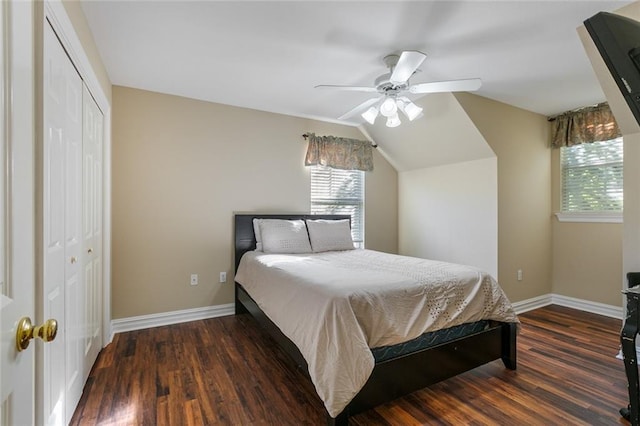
column 519, row 274
column 223, row 277
column 194, row 279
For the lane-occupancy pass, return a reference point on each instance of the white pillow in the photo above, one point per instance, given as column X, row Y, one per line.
column 284, row 236
column 256, row 231
column 328, row 235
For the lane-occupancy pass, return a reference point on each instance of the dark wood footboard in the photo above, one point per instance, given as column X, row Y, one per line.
column 403, row 375
column 400, row 376
column 509, row 336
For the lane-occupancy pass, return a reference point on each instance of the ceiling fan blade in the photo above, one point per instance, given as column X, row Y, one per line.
column 363, row 106
column 408, row 63
column 351, row 88
column 468, row 85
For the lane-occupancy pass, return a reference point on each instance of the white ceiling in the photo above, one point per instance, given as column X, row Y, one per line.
column 269, row 55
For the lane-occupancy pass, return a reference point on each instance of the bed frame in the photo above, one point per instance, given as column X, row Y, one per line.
column 395, row 377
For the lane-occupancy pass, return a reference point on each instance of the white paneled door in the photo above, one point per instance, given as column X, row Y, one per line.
column 92, row 228
column 61, row 229
column 71, row 230
column 17, row 194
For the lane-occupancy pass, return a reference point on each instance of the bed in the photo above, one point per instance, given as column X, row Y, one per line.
column 396, row 369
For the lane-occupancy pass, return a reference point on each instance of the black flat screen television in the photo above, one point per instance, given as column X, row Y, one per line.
column 618, row 41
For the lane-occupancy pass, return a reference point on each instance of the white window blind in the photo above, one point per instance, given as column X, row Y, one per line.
column 592, row 177
column 336, row 191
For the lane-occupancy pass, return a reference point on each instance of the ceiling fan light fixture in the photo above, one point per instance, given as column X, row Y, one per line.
column 388, row 108
column 393, row 121
column 370, row 115
column 391, row 87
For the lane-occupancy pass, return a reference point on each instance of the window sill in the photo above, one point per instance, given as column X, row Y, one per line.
column 612, row 217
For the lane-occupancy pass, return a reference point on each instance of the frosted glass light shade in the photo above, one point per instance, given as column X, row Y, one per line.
column 370, row 115
column 393, row 121
column 388, row 108
column 408, row 108
column 412, row 110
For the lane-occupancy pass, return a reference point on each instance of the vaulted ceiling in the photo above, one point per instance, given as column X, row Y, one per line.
column 269, row 55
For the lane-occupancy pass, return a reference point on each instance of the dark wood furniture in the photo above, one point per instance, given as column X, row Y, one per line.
column 392, row 378
column 628, row 342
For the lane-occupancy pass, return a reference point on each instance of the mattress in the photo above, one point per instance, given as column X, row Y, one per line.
column 428, row 340
column 335, row 306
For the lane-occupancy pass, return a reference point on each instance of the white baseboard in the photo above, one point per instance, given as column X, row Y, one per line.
column 175, row 317
column 530, row 304
column 569, row 302
column 588, row 306
column 167, row 318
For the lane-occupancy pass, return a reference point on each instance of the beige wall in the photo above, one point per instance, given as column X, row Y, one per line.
column 381, row 201
column 631, row 226
column 519, row 139
column 587, row 257
column 182, row 167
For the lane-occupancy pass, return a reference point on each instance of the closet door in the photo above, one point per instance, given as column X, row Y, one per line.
column 92, row 227
column 62, row 283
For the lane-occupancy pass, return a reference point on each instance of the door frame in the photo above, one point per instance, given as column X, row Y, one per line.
column 56, row 14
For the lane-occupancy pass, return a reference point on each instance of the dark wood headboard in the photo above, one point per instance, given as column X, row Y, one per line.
column 245, row 240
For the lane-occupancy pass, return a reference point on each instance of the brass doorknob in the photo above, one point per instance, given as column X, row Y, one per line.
column 26, row 331
column 74, row 259
column 90, row 250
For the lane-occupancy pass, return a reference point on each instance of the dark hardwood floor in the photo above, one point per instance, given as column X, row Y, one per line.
column 227, row 371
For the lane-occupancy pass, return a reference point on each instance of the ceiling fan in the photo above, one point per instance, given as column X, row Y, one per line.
column 392, row 86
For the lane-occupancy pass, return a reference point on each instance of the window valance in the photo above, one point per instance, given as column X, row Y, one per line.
column 339, row 153
column 590, row 124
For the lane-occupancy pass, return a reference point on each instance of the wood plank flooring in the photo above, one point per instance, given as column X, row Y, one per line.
column 227, row 371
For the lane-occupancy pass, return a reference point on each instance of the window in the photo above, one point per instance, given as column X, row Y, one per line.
column 336, row 191
column 592, row 177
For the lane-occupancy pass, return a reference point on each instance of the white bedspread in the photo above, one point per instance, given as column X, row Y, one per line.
column 335, row 306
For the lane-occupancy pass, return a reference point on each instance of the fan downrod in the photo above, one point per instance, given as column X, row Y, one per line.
column 391, row 61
